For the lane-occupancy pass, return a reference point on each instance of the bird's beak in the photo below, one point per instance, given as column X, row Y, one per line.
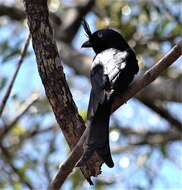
column 86, row 44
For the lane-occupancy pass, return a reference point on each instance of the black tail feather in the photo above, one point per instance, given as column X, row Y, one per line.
column 98, row 136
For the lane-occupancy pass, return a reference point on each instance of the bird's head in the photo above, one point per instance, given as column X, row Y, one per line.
column 103, row 39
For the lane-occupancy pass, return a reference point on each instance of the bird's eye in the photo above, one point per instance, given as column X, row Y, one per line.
column 100, row 34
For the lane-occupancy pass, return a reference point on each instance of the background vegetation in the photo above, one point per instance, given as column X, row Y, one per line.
column 145, row 133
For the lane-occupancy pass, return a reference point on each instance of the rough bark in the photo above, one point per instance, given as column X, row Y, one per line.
column 53, row 78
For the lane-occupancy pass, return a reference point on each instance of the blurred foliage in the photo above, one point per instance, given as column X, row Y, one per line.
column 83, row 113
column 77, row 180
column 34, row 148
column 40, row 107
column 142, row 22
column 3, row 81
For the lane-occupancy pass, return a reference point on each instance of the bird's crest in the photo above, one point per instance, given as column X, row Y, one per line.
column 86, row 28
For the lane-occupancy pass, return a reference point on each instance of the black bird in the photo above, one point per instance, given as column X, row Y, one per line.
column 113, row 69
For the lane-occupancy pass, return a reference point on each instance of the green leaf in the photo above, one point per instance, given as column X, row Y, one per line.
column 3, row 82
column 77, row 180
column 16, row 185
column 18, row 129
column 83, row 113
column 11, row 55
column 163, row 150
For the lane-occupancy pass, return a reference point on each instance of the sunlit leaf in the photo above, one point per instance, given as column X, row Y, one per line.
column 17, row 185
column 83, row 113
column 11, row 55
column 18, row 129
column 76, row 180
column 163, row 150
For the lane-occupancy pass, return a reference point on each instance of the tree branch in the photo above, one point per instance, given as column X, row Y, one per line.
column 17, row 171
column 7, row 94
column 12, row 12
column 66, row 25
column 72, row 19
column 136, row 86
column 163, row 113
column 24, row 108
column 153, row 138
column 157, row 90
column 18, row 14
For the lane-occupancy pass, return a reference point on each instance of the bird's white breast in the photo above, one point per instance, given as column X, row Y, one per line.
column 111, row 59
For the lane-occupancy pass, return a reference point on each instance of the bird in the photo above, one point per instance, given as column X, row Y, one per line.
column 113, row 69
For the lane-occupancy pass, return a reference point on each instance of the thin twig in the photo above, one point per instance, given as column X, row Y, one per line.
column 36, row 132
column 155, row 138
column 149, row 76
column 21, row 175
column 25, row 107
column 7, row 94
column 163, row 113
column 30, row 135
column 46, row 159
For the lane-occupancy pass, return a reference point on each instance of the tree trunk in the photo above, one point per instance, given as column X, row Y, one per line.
column 53, row 78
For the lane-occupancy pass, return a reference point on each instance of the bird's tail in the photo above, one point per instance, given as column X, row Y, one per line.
column 98, row 136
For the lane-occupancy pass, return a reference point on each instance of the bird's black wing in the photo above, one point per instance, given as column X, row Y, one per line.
column 105, row 70
column 98, row 115
column 97, row 94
